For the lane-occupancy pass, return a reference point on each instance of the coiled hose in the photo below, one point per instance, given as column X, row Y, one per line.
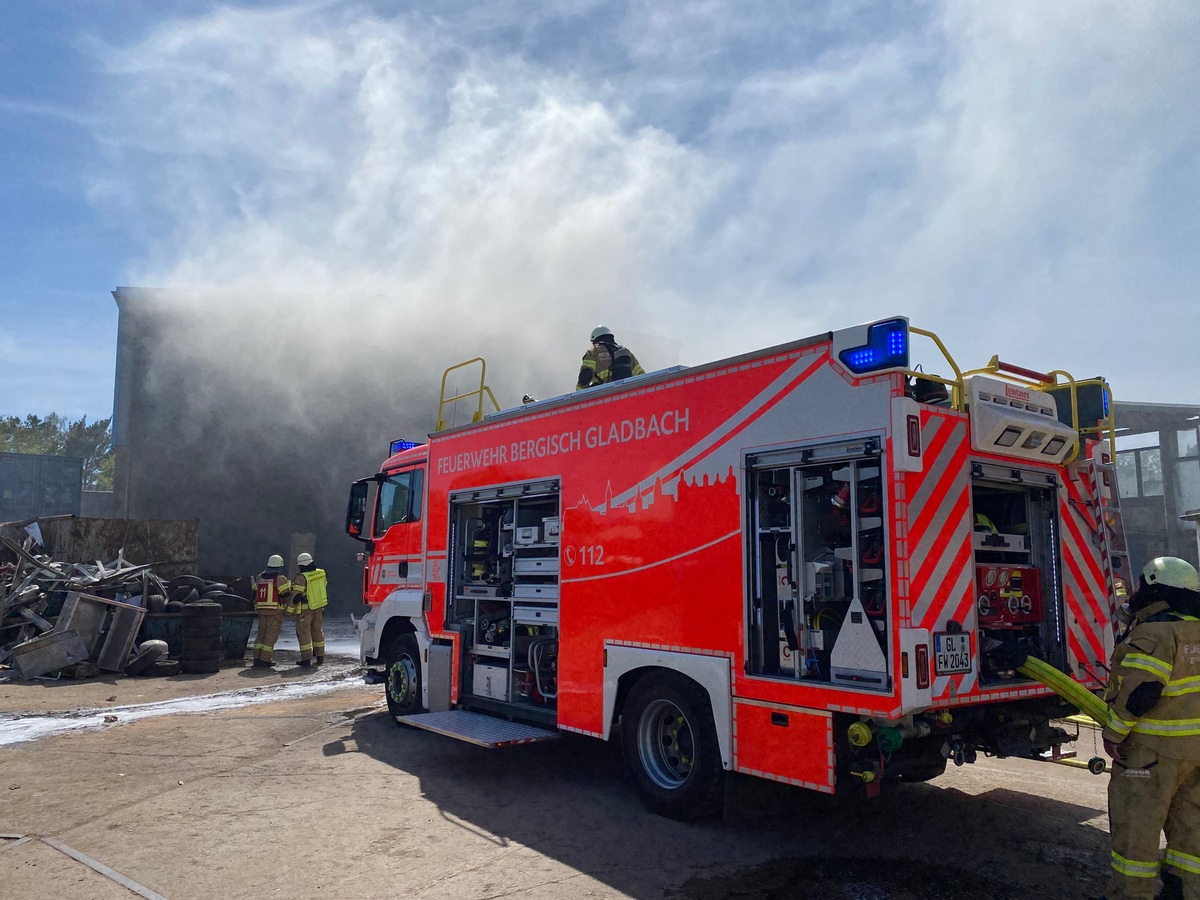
column 1063, row 685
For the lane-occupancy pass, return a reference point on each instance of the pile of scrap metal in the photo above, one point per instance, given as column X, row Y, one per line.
column 80, row 619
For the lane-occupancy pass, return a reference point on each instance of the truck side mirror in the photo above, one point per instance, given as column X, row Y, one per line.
column 356, row 510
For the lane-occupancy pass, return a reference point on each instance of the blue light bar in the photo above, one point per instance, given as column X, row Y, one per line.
column 396, row 446
column 886, row 348
column 1104, row 393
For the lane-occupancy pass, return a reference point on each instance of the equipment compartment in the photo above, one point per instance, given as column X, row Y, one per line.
column 819, row 601
column 1018, row 606
column 510, row 649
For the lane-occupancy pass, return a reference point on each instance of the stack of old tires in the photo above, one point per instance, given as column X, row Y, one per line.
column 184, row 590
column 203, row 648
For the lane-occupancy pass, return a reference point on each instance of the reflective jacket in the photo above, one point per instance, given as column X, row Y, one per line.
column 270, row 591
column 607, row 362
column 1153, row 692
column 311, row 588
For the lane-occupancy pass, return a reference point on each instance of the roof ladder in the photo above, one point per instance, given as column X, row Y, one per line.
column 1114, row 552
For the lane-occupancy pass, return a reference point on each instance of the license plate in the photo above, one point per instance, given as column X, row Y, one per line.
column 952, row 653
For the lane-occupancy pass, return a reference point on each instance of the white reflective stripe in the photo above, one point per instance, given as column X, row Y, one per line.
column 1168, row 726
column 1147, row 663
column 1184, row 861
column 1117, row 724
column 1134, row 868
column 1182, row 686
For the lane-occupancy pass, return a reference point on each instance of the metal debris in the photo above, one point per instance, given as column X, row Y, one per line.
column 35, row 591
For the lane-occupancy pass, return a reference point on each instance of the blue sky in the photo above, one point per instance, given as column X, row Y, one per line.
column 705, row 177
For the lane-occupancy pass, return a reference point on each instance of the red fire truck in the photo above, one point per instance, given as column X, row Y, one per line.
column 812, row 563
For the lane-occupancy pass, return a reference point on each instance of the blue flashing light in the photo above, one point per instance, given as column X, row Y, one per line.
column 1104, row 394
column 886, row 348
column 398, row 446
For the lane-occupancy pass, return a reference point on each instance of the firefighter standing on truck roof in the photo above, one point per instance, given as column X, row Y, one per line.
column 1153, row 735
column 271, row 590
column 308, row 602
column 606, row 361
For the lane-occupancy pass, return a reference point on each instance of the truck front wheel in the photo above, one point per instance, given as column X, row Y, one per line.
column 403, row 685
column 670, row 748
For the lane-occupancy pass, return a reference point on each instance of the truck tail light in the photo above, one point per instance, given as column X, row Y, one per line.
column 922, row 666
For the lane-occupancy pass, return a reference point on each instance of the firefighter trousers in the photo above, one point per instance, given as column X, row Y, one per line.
column 270, row 623
column 317, row 627
column 304, row 632
column 1148, row 794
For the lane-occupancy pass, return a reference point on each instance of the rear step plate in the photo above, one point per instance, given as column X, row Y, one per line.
column 476, row 728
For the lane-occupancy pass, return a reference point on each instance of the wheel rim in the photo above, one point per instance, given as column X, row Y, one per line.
column 402, row 680
column 665, row 744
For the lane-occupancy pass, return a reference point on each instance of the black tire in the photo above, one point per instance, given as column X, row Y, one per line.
column 188, row 581
column 165, row 667
column 202, row 646
column 142, row 663
column 231, row 603
column 174, row 607
column 402, row 684
column 156, row 604
column 202, row 608
column 214, row 587
column 670, row 747
column 185, row 594
column 202, row 625
column 202, row 633
column 191, row 656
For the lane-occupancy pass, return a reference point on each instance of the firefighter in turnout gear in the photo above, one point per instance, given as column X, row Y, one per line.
column 271, row 591
column 308, row 602
column 606, row 361
column 1153, row 735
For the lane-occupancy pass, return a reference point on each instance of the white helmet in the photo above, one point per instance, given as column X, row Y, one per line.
column 275, row 562
column 1171, row 571
column 304, row 559
column 600, row 331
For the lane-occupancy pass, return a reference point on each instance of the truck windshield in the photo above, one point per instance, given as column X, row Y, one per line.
column 399, row 500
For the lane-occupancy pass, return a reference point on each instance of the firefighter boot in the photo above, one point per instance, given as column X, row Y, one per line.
column 1172, row 888
column 320, row 659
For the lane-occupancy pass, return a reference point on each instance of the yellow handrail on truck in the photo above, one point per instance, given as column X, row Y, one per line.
column 480, row 392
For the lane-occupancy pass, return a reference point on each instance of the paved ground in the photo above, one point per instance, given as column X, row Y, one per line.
column 324, row 796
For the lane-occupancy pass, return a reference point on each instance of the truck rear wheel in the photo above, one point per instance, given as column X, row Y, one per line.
column 403, row 683
column 670, row 748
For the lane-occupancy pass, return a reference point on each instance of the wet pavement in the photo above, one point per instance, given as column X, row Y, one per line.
column 16, row 728
column 37, row 708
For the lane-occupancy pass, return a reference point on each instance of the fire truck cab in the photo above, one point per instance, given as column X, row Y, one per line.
column 811, row 563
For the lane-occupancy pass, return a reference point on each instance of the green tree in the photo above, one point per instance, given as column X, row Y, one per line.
column 57, row 435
